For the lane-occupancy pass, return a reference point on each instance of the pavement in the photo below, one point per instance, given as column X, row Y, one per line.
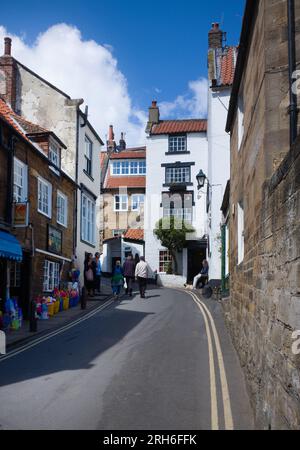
column 23, row 335
column 133, row 364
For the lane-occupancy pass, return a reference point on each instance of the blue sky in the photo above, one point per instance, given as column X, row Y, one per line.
column 159, row 45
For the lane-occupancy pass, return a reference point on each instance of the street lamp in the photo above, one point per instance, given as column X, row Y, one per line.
column 201, row 178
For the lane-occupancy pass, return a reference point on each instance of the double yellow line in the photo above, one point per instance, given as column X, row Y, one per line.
column 210, row 325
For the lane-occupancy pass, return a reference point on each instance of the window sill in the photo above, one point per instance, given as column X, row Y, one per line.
column 177, row 153
column 44, row 214
column 88, row 175
column 88, row 243
column 177, row 185
column 62, row 224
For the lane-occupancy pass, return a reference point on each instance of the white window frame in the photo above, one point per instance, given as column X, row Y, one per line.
column 88, row 155
column 140, row 200
column 168, row 261
column 177, row 144
column 241, row 233
column 51, row 275
column 23, row 186
column 121, row 203
column 128, row 168
column 54, row 153
column 43, row 182
column 15, row 274
column 88, row 221
column 64, row 198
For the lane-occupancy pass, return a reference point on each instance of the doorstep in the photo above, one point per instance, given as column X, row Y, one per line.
column 14, row 338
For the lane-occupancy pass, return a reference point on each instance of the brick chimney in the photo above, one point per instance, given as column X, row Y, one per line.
column 8, row 75
column 111, row 145
column 153, row 116
column 215, row 36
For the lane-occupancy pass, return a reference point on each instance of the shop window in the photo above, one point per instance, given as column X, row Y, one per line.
column 15, row 275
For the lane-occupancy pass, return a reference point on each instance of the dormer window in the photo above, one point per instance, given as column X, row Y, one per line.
column 54, row 153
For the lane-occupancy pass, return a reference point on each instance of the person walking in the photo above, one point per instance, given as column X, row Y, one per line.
column 141, row 273
column 89, row 274
column 129, row 274
column 117, row 280
column 98, row 272
column 203, row 275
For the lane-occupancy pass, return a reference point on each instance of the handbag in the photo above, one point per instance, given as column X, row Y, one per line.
column 125, row 283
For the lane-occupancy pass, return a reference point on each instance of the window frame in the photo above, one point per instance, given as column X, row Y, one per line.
column 128, row 168
column 168, row 179
column 54, row 145
column 47, row 286
column 170, row 260
column 88, row 157
column 24, row 187
column 88, row 222
column 241, row 232
column 121, row 203
column 65, row 198
column 180, row 149
column 139, row 202
column 49, row 185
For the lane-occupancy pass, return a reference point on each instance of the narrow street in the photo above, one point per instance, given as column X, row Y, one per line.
column 136, row 365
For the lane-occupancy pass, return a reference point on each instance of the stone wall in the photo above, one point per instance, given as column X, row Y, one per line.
column 264, row 309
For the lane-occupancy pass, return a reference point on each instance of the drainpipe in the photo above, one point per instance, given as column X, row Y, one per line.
column 293, row 109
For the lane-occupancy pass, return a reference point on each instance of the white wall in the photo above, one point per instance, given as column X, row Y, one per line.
column 218, row 172
column 157, row 146
column 93, row 186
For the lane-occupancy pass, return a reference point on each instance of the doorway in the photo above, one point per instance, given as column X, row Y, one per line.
column 196, row 255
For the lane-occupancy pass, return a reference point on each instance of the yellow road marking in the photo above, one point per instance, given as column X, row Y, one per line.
column 224, row 384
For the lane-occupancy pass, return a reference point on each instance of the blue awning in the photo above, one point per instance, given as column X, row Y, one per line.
column 10, row 247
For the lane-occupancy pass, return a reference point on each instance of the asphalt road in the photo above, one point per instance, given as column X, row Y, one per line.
column 149, row 364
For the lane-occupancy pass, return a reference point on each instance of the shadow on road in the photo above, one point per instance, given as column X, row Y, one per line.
column 75, row 349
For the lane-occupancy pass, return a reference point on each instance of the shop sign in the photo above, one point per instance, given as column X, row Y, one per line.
column 54, row 240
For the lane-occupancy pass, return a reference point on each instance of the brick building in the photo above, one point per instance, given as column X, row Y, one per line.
column 123, row 198
column 36, row 210
column 264, row 307
column 38, row 101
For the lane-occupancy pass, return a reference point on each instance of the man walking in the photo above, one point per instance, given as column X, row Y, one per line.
column 98, row 272
column 141, row 273
column 129, row 273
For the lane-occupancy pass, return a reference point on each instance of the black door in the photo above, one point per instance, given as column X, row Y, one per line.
column 195, row 258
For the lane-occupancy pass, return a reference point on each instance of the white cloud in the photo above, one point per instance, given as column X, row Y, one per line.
column 89, row 70
column 84, row 69
column 193, row 104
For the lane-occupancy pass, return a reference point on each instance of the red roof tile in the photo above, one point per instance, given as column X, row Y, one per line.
column 180, row 126
column 130, row 153
column 228, row 61
column 135, row 235
column 9, row 116
column 130, row 182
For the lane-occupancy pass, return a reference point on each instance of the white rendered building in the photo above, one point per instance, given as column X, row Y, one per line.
column 176, row 150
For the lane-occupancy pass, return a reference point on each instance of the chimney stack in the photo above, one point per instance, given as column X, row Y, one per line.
column 122, row 145
column 153, row 116
column 7, row 46
column 111, row 145
column 215, row 36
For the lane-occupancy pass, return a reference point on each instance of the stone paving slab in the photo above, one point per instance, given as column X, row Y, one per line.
column 14, row 338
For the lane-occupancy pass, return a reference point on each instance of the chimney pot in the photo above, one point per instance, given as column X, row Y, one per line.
column 154, row 104
column 7, row 46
